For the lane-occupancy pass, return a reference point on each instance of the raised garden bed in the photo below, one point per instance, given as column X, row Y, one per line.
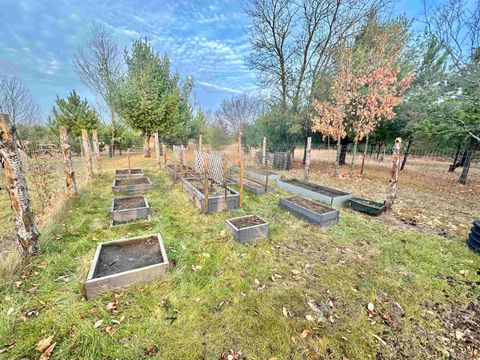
column 175, row 174
column 132, row 185
column 121, row 263
column 254, row 186
column 310, row 210
column 369, row 207
column 257, row 174
column 128, row 209
column 314, row 191
column 216, row 195
column 248, row 228
column 124, row 173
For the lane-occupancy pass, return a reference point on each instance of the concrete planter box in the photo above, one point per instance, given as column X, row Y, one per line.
column 312, row 211
column 122, row 263
column 314, row 191
column 132, row 185
column 123, row 173
column 253, row 186
column 128, row 209
column 175, row 175
column 248, row 228
column 215, row 202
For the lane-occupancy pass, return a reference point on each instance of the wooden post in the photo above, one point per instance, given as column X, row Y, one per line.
column 96, row 150
column 200, row 143
column 225, row 180
column 88, row 153
column 181, row 161
column 392, row 186
column 129, row 163
column 239, row 149
column 17, row 189
column 264, row 150
column 307, row 157
column 205, row 185
column 67, row 162
column 240, row 197
column 157, row 150
column 164, row 156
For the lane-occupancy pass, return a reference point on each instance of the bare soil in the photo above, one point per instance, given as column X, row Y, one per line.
column 129, row 203
column 247, row 221
column 122, row 182
column 132, row 171
column 316, row 188
column 309, row 204
column 213, row 189
column 119, row 258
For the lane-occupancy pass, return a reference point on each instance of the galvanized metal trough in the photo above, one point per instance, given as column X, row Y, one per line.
column 253, row 186
column 128, row 209
column 325, row 194
column 136, row 185
column 310, row 210
column 126, row 262
column 249, row 228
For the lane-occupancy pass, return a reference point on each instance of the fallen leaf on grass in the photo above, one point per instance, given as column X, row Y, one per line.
column 370, row 307
column 112, row 306
column 305, row 333
column 379, row 339
column 10, row 311
column 124, row 341
column 285, row 312
column 309, row 318
column 44, row 344
column 47, row 353
column 110, row 330
column 152, row 350
column 98, row 324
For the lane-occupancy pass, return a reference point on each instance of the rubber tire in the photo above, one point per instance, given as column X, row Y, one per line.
column 476, row 224
column 476, row 232
column 473, row 246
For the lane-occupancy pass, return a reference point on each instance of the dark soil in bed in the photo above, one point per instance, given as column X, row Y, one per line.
column 132, row 172
column 316, row 188
column 213, row 188
column 129, row 203
column 118, row 258
column 247, row 221
column 122, row 182
column 309, row 204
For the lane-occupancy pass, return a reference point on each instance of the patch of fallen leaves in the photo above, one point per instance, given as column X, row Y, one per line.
column 46, row 346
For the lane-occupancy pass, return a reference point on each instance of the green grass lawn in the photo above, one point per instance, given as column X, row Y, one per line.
column 301, row 294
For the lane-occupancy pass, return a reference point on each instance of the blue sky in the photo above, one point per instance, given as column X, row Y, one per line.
column 205, row 39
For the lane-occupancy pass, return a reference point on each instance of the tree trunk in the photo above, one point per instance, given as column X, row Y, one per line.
column 87, row 153
column 157, row 150
column 353, row 156
column 81, row 149
column 343, row 152
column 114, row 134
column 337, row 160
column 17, row 189
column 96, row 150
column 466, row 166
column 364, row 155
column 307, row 157
column 305, row 146
column 264, row 150
column 379, row 147
column 146, row 147
column 392, row 186
column 71, row 185
column 452, row 167
column 407, row 152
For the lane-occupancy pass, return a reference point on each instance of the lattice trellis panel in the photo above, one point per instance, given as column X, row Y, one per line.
column 215, row 165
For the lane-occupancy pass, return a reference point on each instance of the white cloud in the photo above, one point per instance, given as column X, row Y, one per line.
column 218, row 87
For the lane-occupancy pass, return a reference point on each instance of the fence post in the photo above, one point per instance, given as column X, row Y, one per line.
column 264, row 150
column 17, row 189
column 200, row 143
column 96, row 150
column 164, row 156
column 88, row 153
column 129, row 163
column 225, row 180
column 307, row 156
column 239, row 147
column 157, row 150
column 205, row 185
column 67, row 162
column 240, row 197
column 181, row 161
column 392, row 186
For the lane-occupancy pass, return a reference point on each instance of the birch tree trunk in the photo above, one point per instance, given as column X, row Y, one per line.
column 352, row 165
column 157, row 150
column 17, row 189
column 71, row 185
column 308, row 150
column 87, row 151
column 96, row 150
column 200, row 143
column 392, row 186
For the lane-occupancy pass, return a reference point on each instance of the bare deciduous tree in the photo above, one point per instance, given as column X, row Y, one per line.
column 98, row 64
column 17, row 101
column 239, row 111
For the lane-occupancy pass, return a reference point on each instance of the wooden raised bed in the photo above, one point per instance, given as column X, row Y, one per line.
column 310, row 210
column 129, row 209
column 188, row 172
column 216, row 195
column 124, row 173
column 122, row 263
column 247, row 228
column 314, row 191
column 369, row 207
column 251, row 185
column 132, row 185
